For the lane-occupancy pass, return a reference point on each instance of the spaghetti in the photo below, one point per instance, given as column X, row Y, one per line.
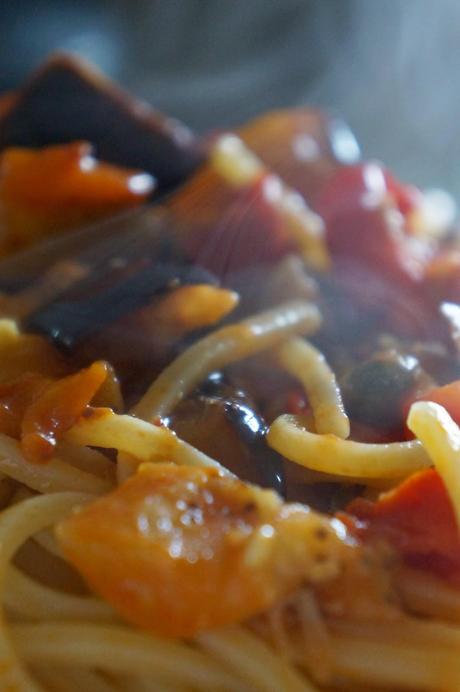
column 138, row 550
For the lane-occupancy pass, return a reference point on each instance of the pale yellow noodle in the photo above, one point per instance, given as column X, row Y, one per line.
column 117, row 649
column 142, row 440
column 277, row 630
column 222, row 347
column 424, row 594
column 87, row 459
column 26, row 596
column 124, row 433
column 54, row 476
column 375, row 486
column 186, row 454
column 316, row 641
column 302, row 360
column 313, row 639
column 9, row 329
column 409, row 654
column 73, row 680
column 440, row 436
column 395, row 665
column 16, row 525
column 149, row 683
column 45, row 538
column 331, row 454
column 414, row 631
column 246, row 653
column 234, row 161
column 75, row 643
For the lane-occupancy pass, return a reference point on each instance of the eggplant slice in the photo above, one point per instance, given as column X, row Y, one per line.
column 222, row 420
column 97, row 301
column 68, row 100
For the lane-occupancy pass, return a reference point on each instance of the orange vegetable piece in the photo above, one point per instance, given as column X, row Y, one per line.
column 182, row 310
column 193, row 307
column 43, row 191
column 417, row 518
column 55, row 408
column 15, row 397
column 36, row 409
column 447, row 396
column 179, row 549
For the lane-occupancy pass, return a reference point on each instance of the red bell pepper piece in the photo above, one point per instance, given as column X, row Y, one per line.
column 226, row 229
column 418, row 520
column 364, row 207
column 448, row 396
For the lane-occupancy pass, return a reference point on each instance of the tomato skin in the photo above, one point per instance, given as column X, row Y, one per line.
column 448, row 396
column 16, row 397
column 417, row 518
column 350, row 187
column 296, row 402
column 38, row 409
column 367, row 184
column 364, row 208
column 56, row 408
column 366, row 215
column 303, row 145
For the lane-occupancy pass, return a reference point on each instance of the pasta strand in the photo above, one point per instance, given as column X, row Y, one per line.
column 54, row 476
column 304, row 361
column 16, row 524
column 331, row 454
column 116, row 649
column 248, row 654
column 222, row 347
column 440, row 436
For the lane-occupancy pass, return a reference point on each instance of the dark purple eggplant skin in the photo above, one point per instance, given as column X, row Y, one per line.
column 221, row 419
column 66, row 100
column 83, row 311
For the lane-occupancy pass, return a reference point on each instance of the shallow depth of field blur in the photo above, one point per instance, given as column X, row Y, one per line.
column 391, row 68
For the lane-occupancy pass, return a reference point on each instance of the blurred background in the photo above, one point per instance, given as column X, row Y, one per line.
column 390, row 67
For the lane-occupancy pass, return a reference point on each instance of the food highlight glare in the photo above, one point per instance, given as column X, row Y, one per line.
column 268, row 310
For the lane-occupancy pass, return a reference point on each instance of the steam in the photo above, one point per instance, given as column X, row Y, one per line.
column 391, row 68
column 396, row 78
